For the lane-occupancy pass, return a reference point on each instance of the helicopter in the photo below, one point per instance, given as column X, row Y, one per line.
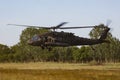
column 64, row 39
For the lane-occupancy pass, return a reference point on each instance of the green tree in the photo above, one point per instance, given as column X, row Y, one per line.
column 24, row 52
column 5, row 53
column 105, row 52
column 4, row 49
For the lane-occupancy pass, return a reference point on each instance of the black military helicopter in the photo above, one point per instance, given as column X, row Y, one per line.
column 64, row 39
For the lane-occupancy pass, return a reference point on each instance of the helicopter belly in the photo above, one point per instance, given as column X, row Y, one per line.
column 56, row 44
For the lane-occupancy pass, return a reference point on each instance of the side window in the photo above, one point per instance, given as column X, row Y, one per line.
column 46, row 39
column 51, row 39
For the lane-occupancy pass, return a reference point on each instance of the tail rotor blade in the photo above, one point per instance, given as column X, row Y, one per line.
column 108, row 22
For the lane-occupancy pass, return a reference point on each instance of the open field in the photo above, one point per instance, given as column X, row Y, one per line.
column 58, row 71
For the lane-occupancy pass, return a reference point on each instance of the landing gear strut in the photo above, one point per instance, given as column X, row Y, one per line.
column 49, row 48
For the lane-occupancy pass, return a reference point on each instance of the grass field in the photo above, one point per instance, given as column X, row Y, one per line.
column 58, row 71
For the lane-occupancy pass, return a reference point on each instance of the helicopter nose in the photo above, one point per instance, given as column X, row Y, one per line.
column 29, row 42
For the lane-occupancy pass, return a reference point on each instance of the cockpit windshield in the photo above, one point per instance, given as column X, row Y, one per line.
column 35, row 38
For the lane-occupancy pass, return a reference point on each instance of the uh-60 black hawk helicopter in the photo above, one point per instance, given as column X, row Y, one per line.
column 64, row 39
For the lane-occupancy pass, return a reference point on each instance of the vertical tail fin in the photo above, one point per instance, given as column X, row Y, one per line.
column 104, row 34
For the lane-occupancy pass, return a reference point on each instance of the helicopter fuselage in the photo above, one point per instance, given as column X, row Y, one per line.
column 64, row 39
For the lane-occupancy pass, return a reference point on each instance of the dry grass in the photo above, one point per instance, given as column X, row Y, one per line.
column 58, row 74
column 58, row 71
column 53, row 65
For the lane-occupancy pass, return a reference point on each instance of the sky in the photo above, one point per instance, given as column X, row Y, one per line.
column 53, row 12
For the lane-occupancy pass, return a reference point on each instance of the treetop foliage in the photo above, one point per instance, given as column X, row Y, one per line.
column 21, row 52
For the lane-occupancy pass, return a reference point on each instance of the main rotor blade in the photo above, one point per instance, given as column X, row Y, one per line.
column 30, row 26
column 53, row 27
column 61, row 24
column 56, row 27
column 76, row 27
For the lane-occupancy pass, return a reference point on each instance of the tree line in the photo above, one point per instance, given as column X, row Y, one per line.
column 22, row 52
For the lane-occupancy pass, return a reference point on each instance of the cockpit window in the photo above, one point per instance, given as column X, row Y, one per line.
column 35, row 38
